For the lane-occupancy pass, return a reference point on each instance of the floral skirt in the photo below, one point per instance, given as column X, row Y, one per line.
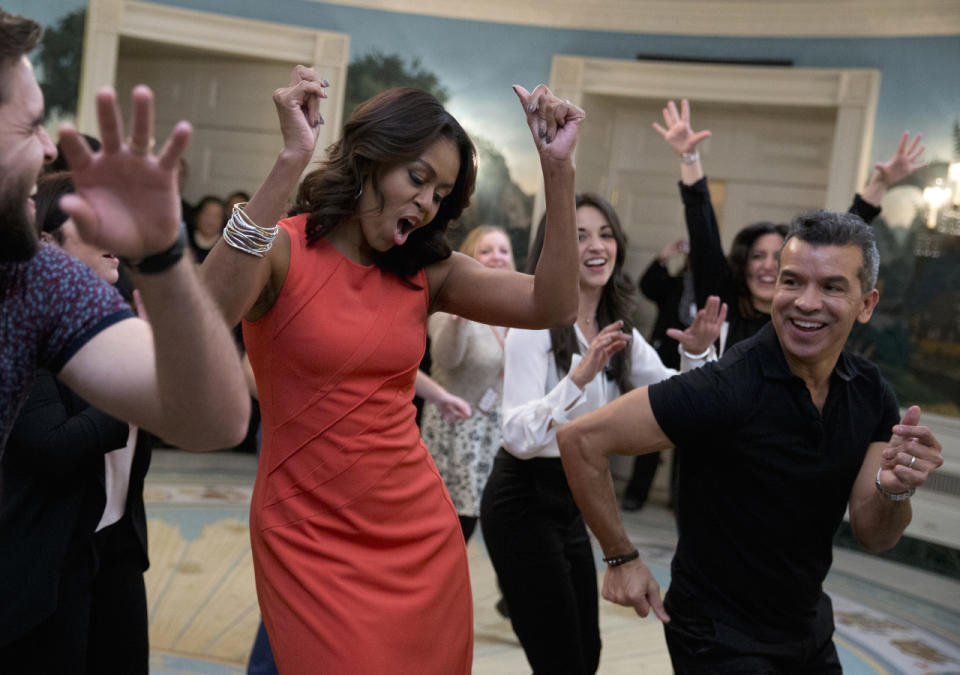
column 463, row 453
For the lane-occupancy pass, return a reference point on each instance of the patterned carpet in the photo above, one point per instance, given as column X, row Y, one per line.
column 203, row 611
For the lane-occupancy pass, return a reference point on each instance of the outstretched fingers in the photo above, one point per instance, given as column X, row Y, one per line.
column 74, row 148
column 141, row 124
column 83, row 215
column 913, row 146
column 175, row 146
column 671, row 115
column 699, row 136
column 109, row 121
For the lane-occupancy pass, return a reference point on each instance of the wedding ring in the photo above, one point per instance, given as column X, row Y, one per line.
column 912, row 460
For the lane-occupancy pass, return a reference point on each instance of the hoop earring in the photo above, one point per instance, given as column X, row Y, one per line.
column 359, row 192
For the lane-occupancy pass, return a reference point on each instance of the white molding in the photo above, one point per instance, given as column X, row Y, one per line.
column 742, row 18
column 110, row 20
column 852, row 92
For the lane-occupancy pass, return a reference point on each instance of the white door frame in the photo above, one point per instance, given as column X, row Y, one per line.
column 852, row 92
column 109, row 20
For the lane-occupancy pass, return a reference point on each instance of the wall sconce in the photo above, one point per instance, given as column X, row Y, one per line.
column 936, row 196
column 953, row 177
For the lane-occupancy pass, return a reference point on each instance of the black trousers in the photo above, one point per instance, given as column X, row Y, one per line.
column 702, row 646
column 540, row 549
column 100, row 624
column 119, row 641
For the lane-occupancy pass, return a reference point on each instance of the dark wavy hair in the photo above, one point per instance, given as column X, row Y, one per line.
column 740, row 256
column 393, row 127
column 618, row 300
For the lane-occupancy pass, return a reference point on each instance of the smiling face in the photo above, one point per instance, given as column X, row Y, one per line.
column 494, row 250
column 412, row 192
column 818, row 297
column 762, row 270
column 24, row 148
column 103, row 263
column 597, row 247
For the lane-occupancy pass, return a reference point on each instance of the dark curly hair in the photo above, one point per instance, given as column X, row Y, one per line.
column 393, row 127
column 618, row 300
column 740, row 256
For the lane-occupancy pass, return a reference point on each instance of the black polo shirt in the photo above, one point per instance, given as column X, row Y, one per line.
column 765, row 480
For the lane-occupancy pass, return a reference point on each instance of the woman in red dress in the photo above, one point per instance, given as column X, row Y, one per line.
column 359, row 559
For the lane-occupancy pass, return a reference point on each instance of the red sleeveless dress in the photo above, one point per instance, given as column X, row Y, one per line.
column 359, row 559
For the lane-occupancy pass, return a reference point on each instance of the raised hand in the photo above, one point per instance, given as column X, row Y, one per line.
column 632, row 585
column 298, row 107
column 554, row 124
column 674, row 248
column 605, row 344
column 904, row 161
column 678, row 133
column 911, row 456
column 705, row 328
column 126, row 198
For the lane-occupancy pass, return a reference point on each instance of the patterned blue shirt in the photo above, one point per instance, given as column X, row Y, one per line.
column 50, row 306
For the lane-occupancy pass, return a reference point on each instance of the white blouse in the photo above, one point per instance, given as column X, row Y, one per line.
column 537, row 400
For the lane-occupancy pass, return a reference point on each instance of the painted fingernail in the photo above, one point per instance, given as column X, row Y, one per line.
column 325, row 83
column 322, row 121
column 530, row 108
column 548, row 139
column 541, row 133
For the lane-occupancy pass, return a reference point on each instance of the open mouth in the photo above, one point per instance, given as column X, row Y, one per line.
column 404, row 227
column 594, row 263
column 807, row 326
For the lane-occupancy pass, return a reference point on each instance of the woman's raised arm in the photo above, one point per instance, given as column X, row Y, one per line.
column 236, row 279
column 462, row 286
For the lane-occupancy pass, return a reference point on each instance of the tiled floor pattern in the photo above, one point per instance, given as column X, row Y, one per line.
column 203, row 613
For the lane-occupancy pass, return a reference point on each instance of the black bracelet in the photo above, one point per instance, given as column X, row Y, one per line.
column 617, row 560
column 162, row 261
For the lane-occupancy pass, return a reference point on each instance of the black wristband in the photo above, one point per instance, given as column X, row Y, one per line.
column 617, row 560
column 162, row 261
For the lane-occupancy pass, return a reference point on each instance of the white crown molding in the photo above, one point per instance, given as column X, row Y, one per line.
column 741, row 18
column 110, row 20
column 851, row 92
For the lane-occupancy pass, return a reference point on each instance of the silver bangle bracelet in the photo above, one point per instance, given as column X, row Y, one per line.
column 893, row 496
column 697, row 357
column 245, row 235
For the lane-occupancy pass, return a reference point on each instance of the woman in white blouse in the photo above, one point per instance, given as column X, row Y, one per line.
column 533, row 530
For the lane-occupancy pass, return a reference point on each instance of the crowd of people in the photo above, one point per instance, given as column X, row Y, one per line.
column 359, row 520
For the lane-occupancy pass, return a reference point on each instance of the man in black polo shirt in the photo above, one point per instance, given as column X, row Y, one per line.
column 780, row 435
